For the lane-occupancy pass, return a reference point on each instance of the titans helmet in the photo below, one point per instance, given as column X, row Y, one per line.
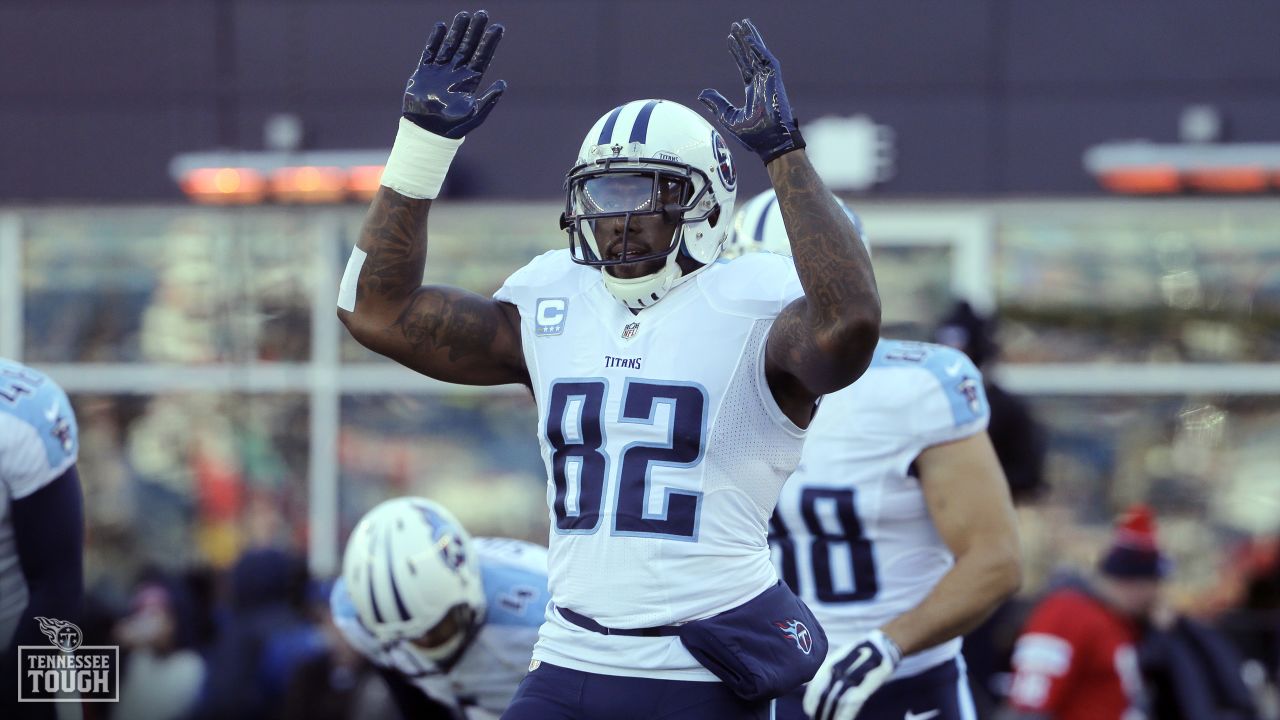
column 414, row 580
column 758, row 226
column 650, row 157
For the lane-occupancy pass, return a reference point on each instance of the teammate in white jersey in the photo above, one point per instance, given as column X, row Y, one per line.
column 897, row 527
column 452, row 615
column 41, row 519
column 672, row 389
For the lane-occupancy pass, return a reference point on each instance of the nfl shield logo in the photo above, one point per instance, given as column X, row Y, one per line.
column 630, row 330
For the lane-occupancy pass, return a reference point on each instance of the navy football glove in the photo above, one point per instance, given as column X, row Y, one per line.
column 441, row 95
column 849, row 676
column 765, row 123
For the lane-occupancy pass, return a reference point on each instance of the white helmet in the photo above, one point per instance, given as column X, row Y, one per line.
column 414, row 579
column 758, row 226
column 651, row 157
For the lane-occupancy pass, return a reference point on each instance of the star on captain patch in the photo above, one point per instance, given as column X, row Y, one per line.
column 630, row 330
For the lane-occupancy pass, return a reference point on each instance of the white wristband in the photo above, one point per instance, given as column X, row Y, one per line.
column 418, row 161
column 890, row 648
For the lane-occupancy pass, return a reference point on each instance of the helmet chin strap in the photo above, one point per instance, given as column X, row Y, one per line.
column 642, row 292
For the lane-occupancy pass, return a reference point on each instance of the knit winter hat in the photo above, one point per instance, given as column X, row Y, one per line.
column 1134, row 552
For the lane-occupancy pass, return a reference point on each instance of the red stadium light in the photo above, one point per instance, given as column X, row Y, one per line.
column 1229, row 180
column 224, row 185
column 246, row 178
column 1151, row 168
column 309, row 184
column 1148, row 180
column 363, row 181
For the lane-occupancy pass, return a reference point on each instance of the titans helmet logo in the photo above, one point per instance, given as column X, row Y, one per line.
column 796, row 630
column 724, row 161
column 446, row 538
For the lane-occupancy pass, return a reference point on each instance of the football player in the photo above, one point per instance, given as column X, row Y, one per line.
column 41, row 518
column 453, row 616
column 672, row 390
column 897, row 527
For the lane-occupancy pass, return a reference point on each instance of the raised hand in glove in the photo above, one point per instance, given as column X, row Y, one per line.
column 441, row 95
column 849, row 676
column 765, row 122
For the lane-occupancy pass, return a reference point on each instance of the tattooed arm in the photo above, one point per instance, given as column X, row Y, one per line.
column 444, row 332
column 447, row 333
column 824, row 340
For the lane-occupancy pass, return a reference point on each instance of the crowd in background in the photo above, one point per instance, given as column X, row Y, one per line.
column 223, row 620
column 186, row 490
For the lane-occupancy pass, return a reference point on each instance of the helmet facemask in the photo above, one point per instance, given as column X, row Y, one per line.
column 602, row 197
column 603, row 193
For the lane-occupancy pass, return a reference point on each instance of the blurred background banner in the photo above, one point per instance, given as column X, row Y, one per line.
column 982, row 96
column 182, row 182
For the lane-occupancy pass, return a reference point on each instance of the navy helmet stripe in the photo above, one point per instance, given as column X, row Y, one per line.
column 391, row 574
column 606, row 133
column 640, row 130
column 373, row 600
column 373, row 592
column 764, row 217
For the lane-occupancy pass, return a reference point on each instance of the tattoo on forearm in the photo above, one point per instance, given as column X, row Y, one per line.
column 834, row 274
column 392, row 236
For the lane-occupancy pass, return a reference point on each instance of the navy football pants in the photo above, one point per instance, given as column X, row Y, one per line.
column 551, row 692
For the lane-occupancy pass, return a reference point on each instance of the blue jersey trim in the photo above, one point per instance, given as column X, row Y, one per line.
column 957, row 376
column 340, row 604
column 35, row 400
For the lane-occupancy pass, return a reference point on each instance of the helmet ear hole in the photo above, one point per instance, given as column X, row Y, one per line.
column 714, row 217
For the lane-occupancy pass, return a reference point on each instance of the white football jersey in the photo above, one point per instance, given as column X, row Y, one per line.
column 852, row 534
column 665, row 452
column 481, row 684
column 38, row 443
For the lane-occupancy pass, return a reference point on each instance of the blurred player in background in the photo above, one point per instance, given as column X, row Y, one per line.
column 1021, row 444
column 672, row 390
column 896, row 528
column 450, row 620
column 1015, row 433
column 41, row 520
